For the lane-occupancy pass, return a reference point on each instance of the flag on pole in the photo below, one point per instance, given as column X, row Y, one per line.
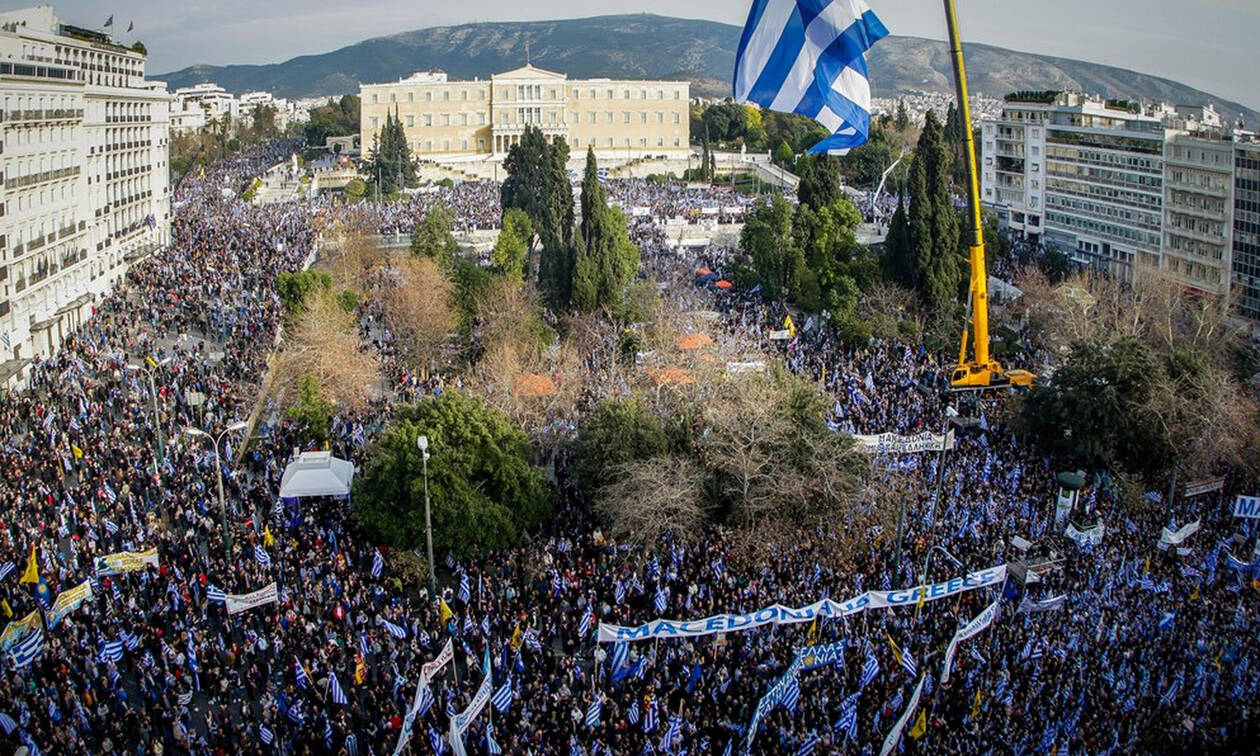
column 594, row 711
column 444, row 611
column 920, row 726
column 334, row 687
column 378, row 564
column 109, row 21
column 303, row 678
column 32, row 569
column 807, row 57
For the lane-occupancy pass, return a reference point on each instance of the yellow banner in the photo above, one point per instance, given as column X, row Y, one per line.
column 126, row 561
column 18, row 629
column 68, row 600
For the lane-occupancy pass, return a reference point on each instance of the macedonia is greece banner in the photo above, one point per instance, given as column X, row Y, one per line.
column 1091, row 536
column 982, row 621
column 125, row 561
column 18, row 629
column 1247, row 506
column 237, row 603
column 427, row 673
column 896, row 444
column 783, row 615
column 67, row 601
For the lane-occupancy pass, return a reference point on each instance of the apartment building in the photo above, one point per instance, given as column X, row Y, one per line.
column 84, row 186
column 446, row 119
column 1246, row 228
column 1198, row 190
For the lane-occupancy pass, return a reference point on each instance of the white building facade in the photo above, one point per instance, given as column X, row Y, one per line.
column 85, row 190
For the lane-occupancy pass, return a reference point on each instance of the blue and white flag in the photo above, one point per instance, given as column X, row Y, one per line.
column 869, row 670
column 7, row 723
column 806, row 57
column 265, row 734
column 807, row 747
column 465, row 593
column 261, row 555
column 632, row 716
column 113, row 651
column 588, row 619
column 593, row 712
column 661, row 599
column 214, row 593
column 28, row 649
column 395, row 630
column 492, row 747
column 847, row 723
column 8, row 567
column 303, row 679
column 334, row 687
column 503, row 696
column 378, row 564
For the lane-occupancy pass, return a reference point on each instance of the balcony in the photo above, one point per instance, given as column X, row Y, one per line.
column 39, row 178
column 30, row 116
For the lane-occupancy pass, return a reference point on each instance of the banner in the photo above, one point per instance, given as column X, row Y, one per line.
column 982, row 621
column 427, row 672
column 813, row 657
column 1063, row 505
column 771, row 699
column 125, row 561
column 67, row 601
column 1028, row 606
column 461, row 721
column 1169, row 538
column 1247, row 506
column 1092, row 536
column 18, row 629
column 783, row 335
column 237, row 603
column 891, row 741
column 896, row 444
column 783, row 615
column 1200, row 487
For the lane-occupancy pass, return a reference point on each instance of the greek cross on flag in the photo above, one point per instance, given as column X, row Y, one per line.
column 806, row 57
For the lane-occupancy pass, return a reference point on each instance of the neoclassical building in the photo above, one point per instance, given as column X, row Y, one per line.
column 461, row 119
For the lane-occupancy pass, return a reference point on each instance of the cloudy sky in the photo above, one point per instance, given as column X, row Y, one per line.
column 1209, row 44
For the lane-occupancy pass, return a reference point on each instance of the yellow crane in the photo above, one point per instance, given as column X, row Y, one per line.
column 981, row 372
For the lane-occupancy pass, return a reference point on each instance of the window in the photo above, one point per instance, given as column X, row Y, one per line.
column 428, row 97
column 374, row 121
column 677, row 95
column 463, row 145
column 676, row 118
column 660, row 117
column 428, row 146
column 463, row 119
column 626, row 116
column 428, row 119
column 577, row 117
column 577, row 95
column 373, row 98
column 446, row 119
column 643, row 117
column 446, row 145
column 393, row 97
column 463, row 94
column 609, row 117
column 481, row 119
column 411, row 97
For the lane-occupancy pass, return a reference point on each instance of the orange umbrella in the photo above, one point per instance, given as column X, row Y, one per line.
column 703, row 271
column 671, row 375
column 533, row 385
column 691, row 341
column 723, row 284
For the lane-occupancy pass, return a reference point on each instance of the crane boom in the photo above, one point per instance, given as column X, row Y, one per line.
column 981, row 372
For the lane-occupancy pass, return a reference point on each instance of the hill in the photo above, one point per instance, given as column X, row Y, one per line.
column 649, row 46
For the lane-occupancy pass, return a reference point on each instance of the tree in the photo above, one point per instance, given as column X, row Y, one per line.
column 538, row 183
column 483, row 487
column 605, row 260
column 339, row 118
column 419, row 310
column 932, row 240
column 312, row 414
column 389, row 163
column 323, row 343
column 769, row 255
column 355, row 189
column 902, row 120
column 263, row 123
column 433, row 236
column 512, row 246
column 783, row 156
column 820, row 181
column 616, row 433
column 649, row 498
column 296, row 289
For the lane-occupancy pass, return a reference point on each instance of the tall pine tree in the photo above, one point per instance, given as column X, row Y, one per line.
column 604, row 258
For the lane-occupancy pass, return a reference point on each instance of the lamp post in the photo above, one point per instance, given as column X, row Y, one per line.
column 422, row 443
column 157, row 419
column 950, row 413
column 218, row 460
column 926, row 560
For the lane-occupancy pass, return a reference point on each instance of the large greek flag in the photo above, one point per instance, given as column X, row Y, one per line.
column 806, row 57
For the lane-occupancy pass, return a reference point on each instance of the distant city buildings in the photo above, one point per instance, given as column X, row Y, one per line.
column 201, row 105
column 446, row 119
column 1125, row 187
column 919, row 103
column 84, row 186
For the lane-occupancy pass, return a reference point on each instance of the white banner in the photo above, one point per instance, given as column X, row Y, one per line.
column 1247, row 506
column 1092, row 536
column 783, row 335
column 427, row 672
column 461, row 721
column 890, row 742
column 783, row 615
column 1169, row 538
column 1028, row 606
column 896, row 444
column 237, row 603
column 982, row 620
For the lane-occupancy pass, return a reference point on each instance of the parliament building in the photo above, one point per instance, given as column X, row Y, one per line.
column 468, row 119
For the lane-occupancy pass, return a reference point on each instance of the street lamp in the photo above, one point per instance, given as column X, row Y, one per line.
column 422, row 443
column 926, row 560
column 217, row 440
column 157, row 420
column 950, row 413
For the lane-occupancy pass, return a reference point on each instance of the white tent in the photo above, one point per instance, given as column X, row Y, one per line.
column 316, row 474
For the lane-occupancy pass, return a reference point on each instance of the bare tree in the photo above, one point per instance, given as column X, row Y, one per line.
column 655, row 496
column 884, row 305
column 417, row 305
column 324, row 342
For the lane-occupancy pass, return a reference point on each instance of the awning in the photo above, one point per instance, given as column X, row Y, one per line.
column 74, row 304
column 316, row 474
column 10, row 368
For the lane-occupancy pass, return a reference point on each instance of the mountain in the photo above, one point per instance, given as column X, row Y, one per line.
column 649, row 46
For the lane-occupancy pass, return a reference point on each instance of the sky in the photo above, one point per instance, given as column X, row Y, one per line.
column 1208, row 44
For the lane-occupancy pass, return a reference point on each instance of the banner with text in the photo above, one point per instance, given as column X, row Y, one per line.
column 1091, row 536
column 1170, row 538
column 896, row 444
column 427, row 672
column 237, row 603
column 983, row 620
column 18, row 629
column 67, row 601
column 125, row 561
column 1247, row 506
column 783, row 615
column 890, row 742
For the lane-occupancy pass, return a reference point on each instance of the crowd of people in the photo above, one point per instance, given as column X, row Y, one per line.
column 1148, row 650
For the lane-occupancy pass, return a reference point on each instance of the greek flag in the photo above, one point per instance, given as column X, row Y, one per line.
column 260, row 554
column 214, row 593
column 265, row 734
column 632, row 716
column 869, row 670
column 7, row 723
column 110, row 526
column 661, row 600
column 619, row 592
column 503, row 696
column 113, row 651
column 303, row 679
column 392, row 629
column 338, row 695
column 437, row 741
column 593, row 713
column 132, row 642
column 328, row 733
column 848, row 717
column 28, row 650
column 620, row 655
column 492, row 747
column 908, row 663
column 464, row 592
column 378, row 564
column 110, row 496
column 808, row 746
column 649, row 719
column 806, row 57
column 531, row 640
column 588, row 619
column 6, row 569
column 295, row 713
column 792, row 696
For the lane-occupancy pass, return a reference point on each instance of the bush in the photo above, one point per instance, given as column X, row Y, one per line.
column 617, row 432
column 348, row 300
column 313, row 413
column 295, row 289
column 483, row 488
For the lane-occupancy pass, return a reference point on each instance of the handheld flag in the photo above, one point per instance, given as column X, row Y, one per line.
column 920, row 726
column 32, row 569
column 806, row 57
column 444, row 611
